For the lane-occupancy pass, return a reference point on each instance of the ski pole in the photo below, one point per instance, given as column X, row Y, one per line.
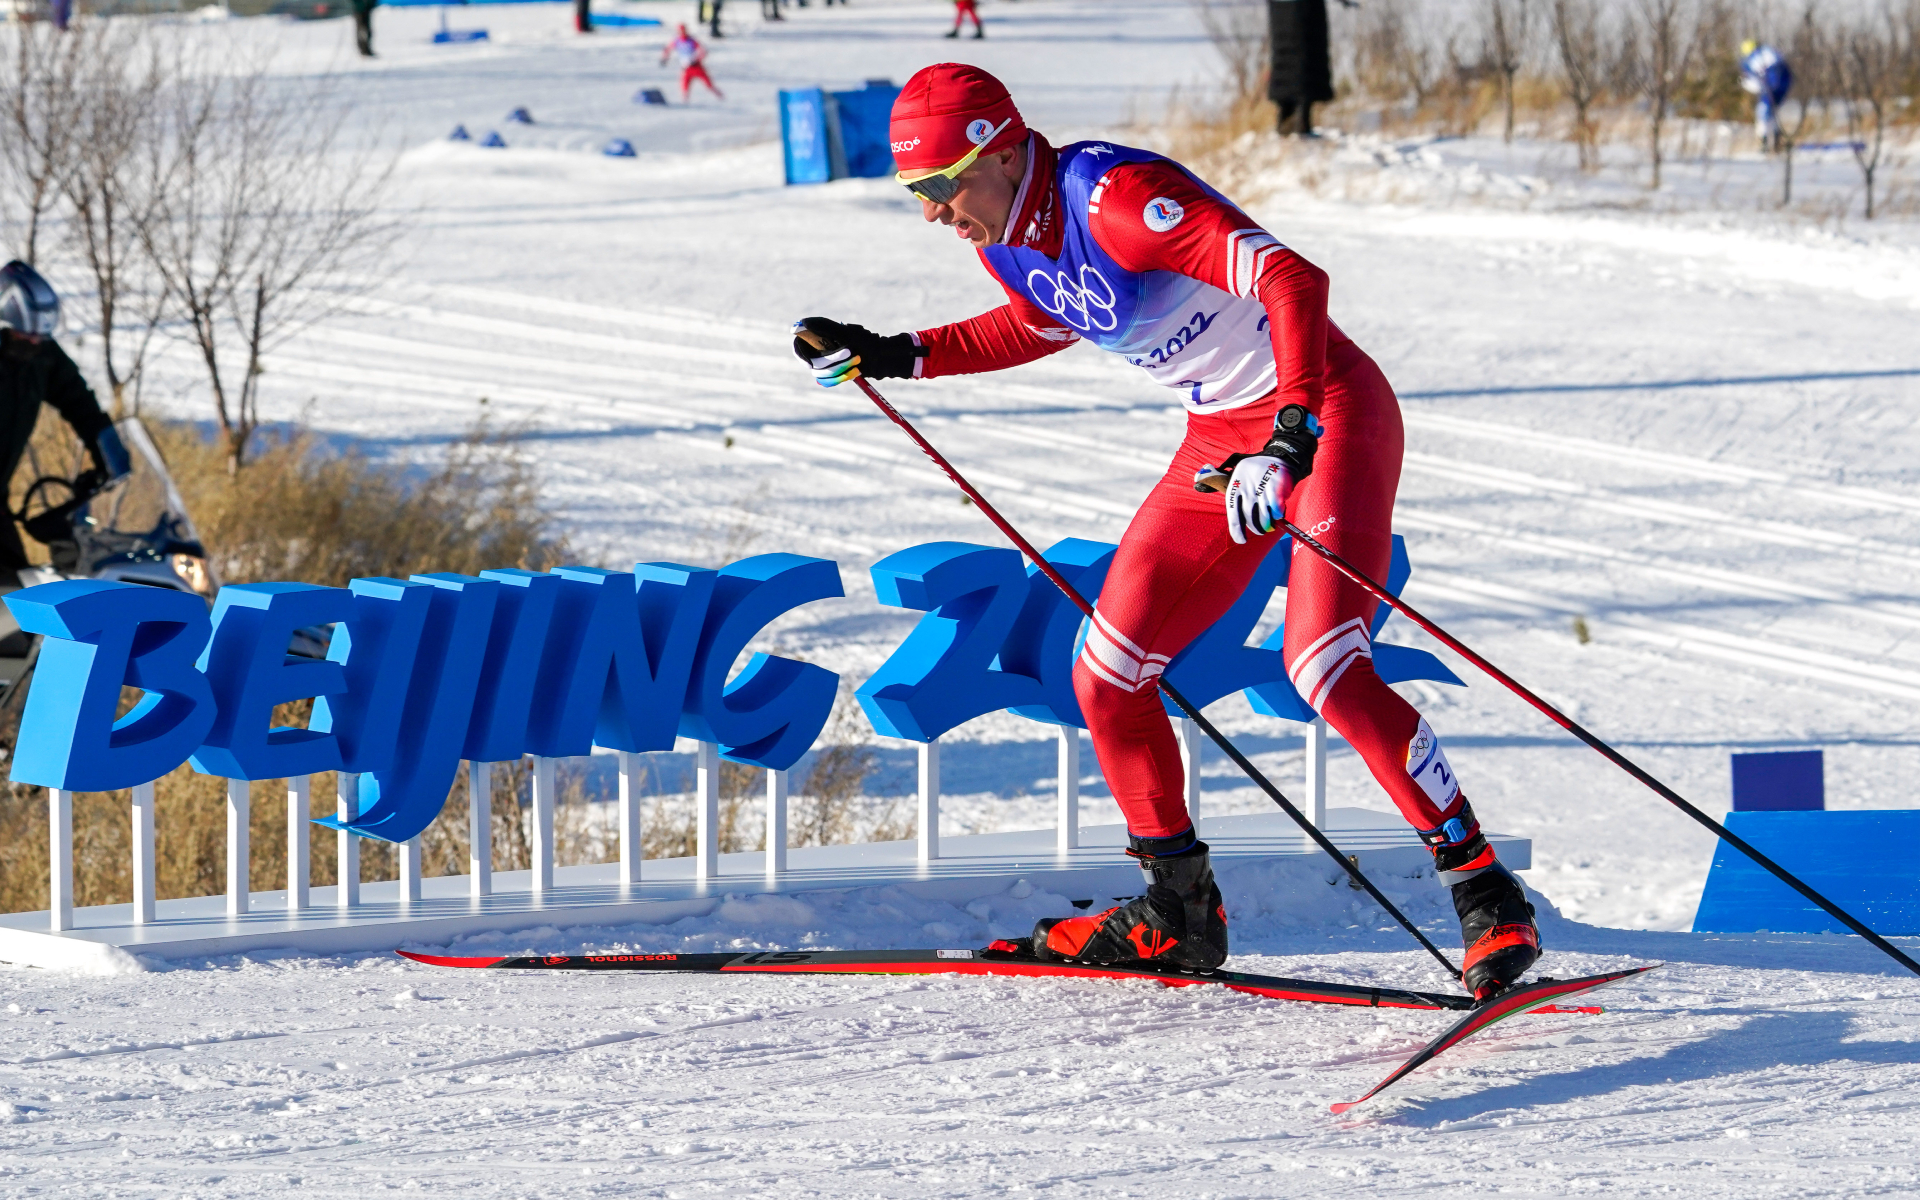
column 1193, row 714
column 1607, row 752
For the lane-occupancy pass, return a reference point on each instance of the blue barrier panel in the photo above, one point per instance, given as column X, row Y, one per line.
column 864, row 118
column 803, row 135
column 1862, row 861
column 1782, row 781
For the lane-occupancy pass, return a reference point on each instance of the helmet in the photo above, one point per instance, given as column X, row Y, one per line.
column 27, row 301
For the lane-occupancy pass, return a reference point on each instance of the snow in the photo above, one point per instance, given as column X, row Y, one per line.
column 1693, row 429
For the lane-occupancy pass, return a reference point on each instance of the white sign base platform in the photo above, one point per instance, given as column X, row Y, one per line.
column 968, row 868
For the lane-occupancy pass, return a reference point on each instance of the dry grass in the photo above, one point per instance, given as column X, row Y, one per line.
column 827, row 807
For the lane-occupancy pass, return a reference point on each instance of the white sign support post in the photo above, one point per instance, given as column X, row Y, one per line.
column 1317, row 772
column 706, row 794
column 347, row 893
column 239, row 824
column 59, row 859
column 541, row 878
column 479, row 829
column 299, row 793
column 630, row 852
column 929, row 815
column 1067, row 817
column 1188, row 733
column 410, row 869
column 776, row 823
column 143, row 863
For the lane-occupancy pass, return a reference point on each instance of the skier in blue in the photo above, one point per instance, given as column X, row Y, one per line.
column 1765, row 74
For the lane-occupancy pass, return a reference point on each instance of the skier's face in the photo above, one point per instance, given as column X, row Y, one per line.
column 980, row 210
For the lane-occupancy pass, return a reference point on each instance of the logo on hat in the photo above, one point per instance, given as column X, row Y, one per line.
column 1163, row 213
column 903, row 147
column 978, row 131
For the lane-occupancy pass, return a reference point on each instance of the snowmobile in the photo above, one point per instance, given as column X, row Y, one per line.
column 134, row 529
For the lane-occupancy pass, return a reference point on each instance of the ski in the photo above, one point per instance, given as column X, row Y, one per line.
column 1001, row 958
column 1539, row 996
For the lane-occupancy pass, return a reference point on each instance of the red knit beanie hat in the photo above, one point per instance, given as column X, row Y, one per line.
column 945, row 111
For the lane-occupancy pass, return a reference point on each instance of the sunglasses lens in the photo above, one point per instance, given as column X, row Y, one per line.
column 936, row 189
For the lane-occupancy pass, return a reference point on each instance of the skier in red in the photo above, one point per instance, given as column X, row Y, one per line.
column 686, row 50
column 1131, row 251
column 962, row 9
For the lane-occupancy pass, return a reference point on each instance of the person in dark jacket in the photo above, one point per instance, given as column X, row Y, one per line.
column 34, row 370
column 363, row 25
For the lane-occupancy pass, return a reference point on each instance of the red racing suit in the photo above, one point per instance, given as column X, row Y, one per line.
column 1267, row 343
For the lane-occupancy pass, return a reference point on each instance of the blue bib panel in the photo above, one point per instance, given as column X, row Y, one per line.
column 1209, row 345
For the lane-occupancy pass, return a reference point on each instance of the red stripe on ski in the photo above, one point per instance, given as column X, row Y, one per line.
column 1069, row 971
column 441, row 960
column 1529, row 997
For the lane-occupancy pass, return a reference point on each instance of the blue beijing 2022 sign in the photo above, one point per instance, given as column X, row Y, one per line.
column 424, row 672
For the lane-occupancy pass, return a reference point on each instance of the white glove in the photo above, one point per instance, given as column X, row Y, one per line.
column 1257, row 496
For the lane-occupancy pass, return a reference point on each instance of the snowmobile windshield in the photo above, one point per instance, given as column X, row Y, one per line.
column 27, row 301
column 941, row 186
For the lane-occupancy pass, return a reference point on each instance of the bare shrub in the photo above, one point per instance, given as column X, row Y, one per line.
column 1580, row 42
column 1664, row 47
column 1507, row 29
column 1393, row 56
column 827, row 805
column 1241, row 37
column 109, row 192
column 42, row 91
column 262, row 220
column 1808, row 52
column 1870, row 60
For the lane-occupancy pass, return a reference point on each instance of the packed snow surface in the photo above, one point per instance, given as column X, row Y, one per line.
column 1696, row 435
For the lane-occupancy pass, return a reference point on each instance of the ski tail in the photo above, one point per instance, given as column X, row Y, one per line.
column 442, row 960
column 1528, row 997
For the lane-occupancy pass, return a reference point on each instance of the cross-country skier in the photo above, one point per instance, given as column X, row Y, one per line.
column 962, row 9
column 34, row 370
column 1765, row 74
column 1131, row 251
column 686, row 50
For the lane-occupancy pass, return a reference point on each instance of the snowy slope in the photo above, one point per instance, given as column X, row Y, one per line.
column 1699, row 436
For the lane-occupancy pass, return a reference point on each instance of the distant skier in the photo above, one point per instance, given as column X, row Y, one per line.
column 1765, row 74
column 1133, row 252
column 709, row 15
column 685, row 50
column 34, row 370
column 962, row 9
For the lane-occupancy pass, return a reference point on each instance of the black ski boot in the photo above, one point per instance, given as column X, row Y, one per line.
column 1496, row 921
column 1180, row 922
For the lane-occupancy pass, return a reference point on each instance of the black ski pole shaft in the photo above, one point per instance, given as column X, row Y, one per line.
column 1607, row 752
column 1193, row 714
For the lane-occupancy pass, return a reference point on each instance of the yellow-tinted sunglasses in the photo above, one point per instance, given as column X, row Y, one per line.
column 941, row 186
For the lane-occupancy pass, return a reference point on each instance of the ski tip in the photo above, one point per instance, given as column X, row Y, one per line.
column 441, row 960
column 1343, row 1106
column 1587, row 1010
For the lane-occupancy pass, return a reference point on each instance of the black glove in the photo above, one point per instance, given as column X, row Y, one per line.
column 837, row 353
column 1258, row 484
